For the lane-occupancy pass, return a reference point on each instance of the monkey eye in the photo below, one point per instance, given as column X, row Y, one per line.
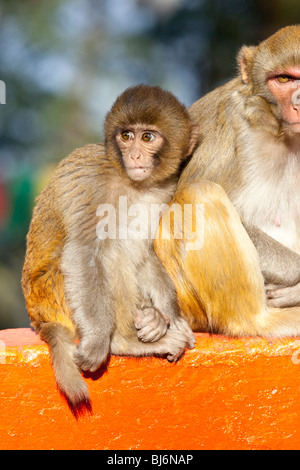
column 283, row 78
column 127, row 135
column 148, row 137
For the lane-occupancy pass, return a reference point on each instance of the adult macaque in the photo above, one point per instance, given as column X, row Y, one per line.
column 250, row 147
column 85, row 277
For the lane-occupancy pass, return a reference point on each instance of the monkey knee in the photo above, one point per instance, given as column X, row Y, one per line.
column 202, row 192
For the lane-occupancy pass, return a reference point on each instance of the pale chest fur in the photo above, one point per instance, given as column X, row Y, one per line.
column 129, row 219
column 270, row 195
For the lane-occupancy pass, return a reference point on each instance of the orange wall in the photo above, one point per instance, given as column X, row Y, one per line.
column 224, row 394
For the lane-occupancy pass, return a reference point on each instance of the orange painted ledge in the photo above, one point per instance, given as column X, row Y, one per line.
column 224, row 394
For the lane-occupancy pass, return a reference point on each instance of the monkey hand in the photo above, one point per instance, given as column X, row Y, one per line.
column 92, row 352
column 283, row 297
column 151, row 324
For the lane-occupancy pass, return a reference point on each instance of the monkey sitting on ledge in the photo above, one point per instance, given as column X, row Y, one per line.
column 246, row 278
column 112, row 294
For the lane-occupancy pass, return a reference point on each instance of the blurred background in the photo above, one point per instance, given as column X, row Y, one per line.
column 64, row 62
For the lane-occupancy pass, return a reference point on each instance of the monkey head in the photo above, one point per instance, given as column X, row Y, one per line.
column 272, row 70
column 148, row 133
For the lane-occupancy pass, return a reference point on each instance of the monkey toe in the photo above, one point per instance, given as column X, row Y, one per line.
column 84, row 364
column 177, row 343
column 90, row 358
column 182, row 326
column 175, row 357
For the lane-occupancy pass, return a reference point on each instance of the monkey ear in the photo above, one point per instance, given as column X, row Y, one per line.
column 194, row 139
column 245, row 60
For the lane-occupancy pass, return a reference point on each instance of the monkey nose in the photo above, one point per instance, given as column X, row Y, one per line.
column 296, row 99
column 296, row 110
column 135, row 154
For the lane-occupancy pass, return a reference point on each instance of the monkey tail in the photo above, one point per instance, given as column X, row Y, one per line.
column 60, row 340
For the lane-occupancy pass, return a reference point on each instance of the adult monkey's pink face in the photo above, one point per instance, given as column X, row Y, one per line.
column 271, row 71
column 285, row 86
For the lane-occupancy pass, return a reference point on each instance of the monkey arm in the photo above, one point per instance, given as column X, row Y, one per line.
column 279, row 265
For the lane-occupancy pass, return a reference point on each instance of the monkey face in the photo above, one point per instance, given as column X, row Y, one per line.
column 148, row 134
column 285, row 87
column 139, row 146
column 271, row 70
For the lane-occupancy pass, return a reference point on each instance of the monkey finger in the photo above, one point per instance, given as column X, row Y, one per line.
column 152, row 313
column 149, row 316
column 281, row 302
column 150, row 334
column 271, row 295
column 141, row 323
column 270, row 288
column 283, row 298
column 152, row 319
column 155, row 328
column 275, row 294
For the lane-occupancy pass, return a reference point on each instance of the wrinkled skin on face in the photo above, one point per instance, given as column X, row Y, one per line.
column 139, row 146
column 285, row 87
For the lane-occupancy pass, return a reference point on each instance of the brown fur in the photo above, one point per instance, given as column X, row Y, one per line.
column 99, row 292
column 220, row 286
column 245, row 149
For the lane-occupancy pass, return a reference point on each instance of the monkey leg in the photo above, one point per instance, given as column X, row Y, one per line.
column 211, row 260
column 90, row 300
column 215, row 267
column 172, row 344
column 279, row 265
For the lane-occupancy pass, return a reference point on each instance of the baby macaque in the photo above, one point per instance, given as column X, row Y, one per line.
column 92, row 282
